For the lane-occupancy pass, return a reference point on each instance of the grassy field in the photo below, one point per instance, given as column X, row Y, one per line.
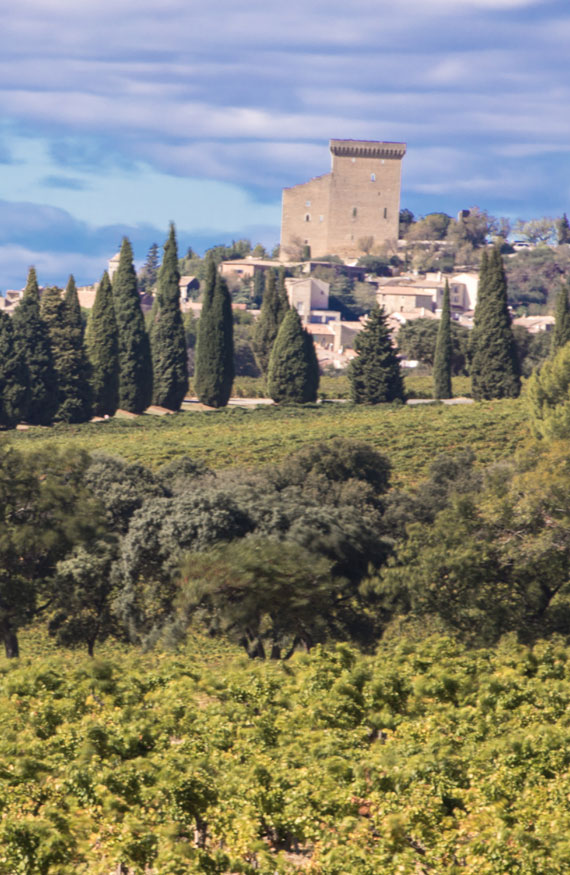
column 410, row 436
column 337, row 386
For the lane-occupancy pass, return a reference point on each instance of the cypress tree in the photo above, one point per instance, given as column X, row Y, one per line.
column 135, row 366
column 283, row 299
column 495, row 369
column 273, row 309
column 14, row 383
column 561, row 333
column 293, row 373
column 32, row 343
column 214, row 366
column 443, row 350
column 63, row 323
column 375, row 375
column 169, row 357
column 102, row 345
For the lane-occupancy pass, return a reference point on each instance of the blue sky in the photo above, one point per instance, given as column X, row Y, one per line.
column 117, row 117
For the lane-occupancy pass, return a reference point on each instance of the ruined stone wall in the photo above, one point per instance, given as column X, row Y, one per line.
column 360, row 198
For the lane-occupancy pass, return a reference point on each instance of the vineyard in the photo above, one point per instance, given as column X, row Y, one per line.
column 423, row 758
column 410, row 436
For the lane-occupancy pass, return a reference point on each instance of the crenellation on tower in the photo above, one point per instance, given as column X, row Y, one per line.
column 359, row 198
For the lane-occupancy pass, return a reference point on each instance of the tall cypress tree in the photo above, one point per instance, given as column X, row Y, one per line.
column 443, row 350
column 102, row 345
column 561, row 333
column 63, row 323
column 214, row 367
column 273, row 309
column 375, row 375
column 14, row 382
column 135, row 366
column 293, row 373
column 169, row 357
column 32, row 343
column 495, row 369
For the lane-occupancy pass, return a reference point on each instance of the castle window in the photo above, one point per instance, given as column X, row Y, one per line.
column 307, row 217
column 354, row 211
column 385, row 212
column 372, row 177
column 321, row 218
column 307, row 203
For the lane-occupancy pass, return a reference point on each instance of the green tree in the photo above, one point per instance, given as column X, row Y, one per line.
column 45, row 510
column 148, row 275
column 375, row 375
column 135, row 366
column 14, row 382
column 293, row 372
column 169, row 357
column 63, row 324
column 561, row 333
column 495, row 369
column 417, row 340
column 273, row 308
column 443, row 351
column 32, row 343
column 548, row 395
column 102, row 345
column 214, row 366
column 562, row 230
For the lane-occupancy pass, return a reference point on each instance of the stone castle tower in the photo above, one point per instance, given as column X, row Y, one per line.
column 359, row 198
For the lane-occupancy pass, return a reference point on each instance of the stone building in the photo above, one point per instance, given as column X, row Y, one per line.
column 345, row 211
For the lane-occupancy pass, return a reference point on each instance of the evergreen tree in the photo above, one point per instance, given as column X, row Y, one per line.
column 135, row 367
column 561, row 333
column 563, row 230
column 375, row 375
column 214, row 366
column 14, row 383
column 32, row 343
column 169, row 357
column 149, row 272
column 102, row 345
column 443, row 351
column 273, row 309
column 69, row 357
column 495, row 368
column 258, row 285
column 283, row 298
column 293, row 373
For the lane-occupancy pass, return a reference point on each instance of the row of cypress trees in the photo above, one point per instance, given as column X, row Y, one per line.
column 50, row 372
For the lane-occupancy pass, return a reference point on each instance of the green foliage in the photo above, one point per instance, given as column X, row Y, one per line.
column 534, row 276
column 274, row 305
column 148, row 275
column 135, row 366
column 293, row 372
column 417, row 340
column 561, row 333
column 214, row 367
column 563, row 230
column 495, row 369
column 14, row 381
column 443, row 351
column 32, row 343
column 102, row 345
column 168, row 343
column 548, row 394
column 62, row 317
column 375, row 373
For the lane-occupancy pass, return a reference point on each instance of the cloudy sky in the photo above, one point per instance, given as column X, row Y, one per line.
column 117, row 117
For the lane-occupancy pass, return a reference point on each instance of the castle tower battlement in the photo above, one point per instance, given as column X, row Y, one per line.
column 358, row 199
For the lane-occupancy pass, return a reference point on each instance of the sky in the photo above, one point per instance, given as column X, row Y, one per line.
column 119, row 117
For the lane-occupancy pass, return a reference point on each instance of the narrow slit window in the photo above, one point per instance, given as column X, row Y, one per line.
column 385, row 212
column 354, row 211
column 307, row 217
column 372, row 177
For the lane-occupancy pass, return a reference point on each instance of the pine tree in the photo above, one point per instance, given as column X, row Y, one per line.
column 149, row 272
column 443, row 351
column 561, row 333
column 375, row 375
column 14, row 383
column 495, row 369
column 283, row 298
column 102, row 345
column 32, row 343
column 169, row 357
column 135, row 367
column 563, row 230
column 273, row 309
column 214, row 367
column 293, row 373
column 70, row 361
